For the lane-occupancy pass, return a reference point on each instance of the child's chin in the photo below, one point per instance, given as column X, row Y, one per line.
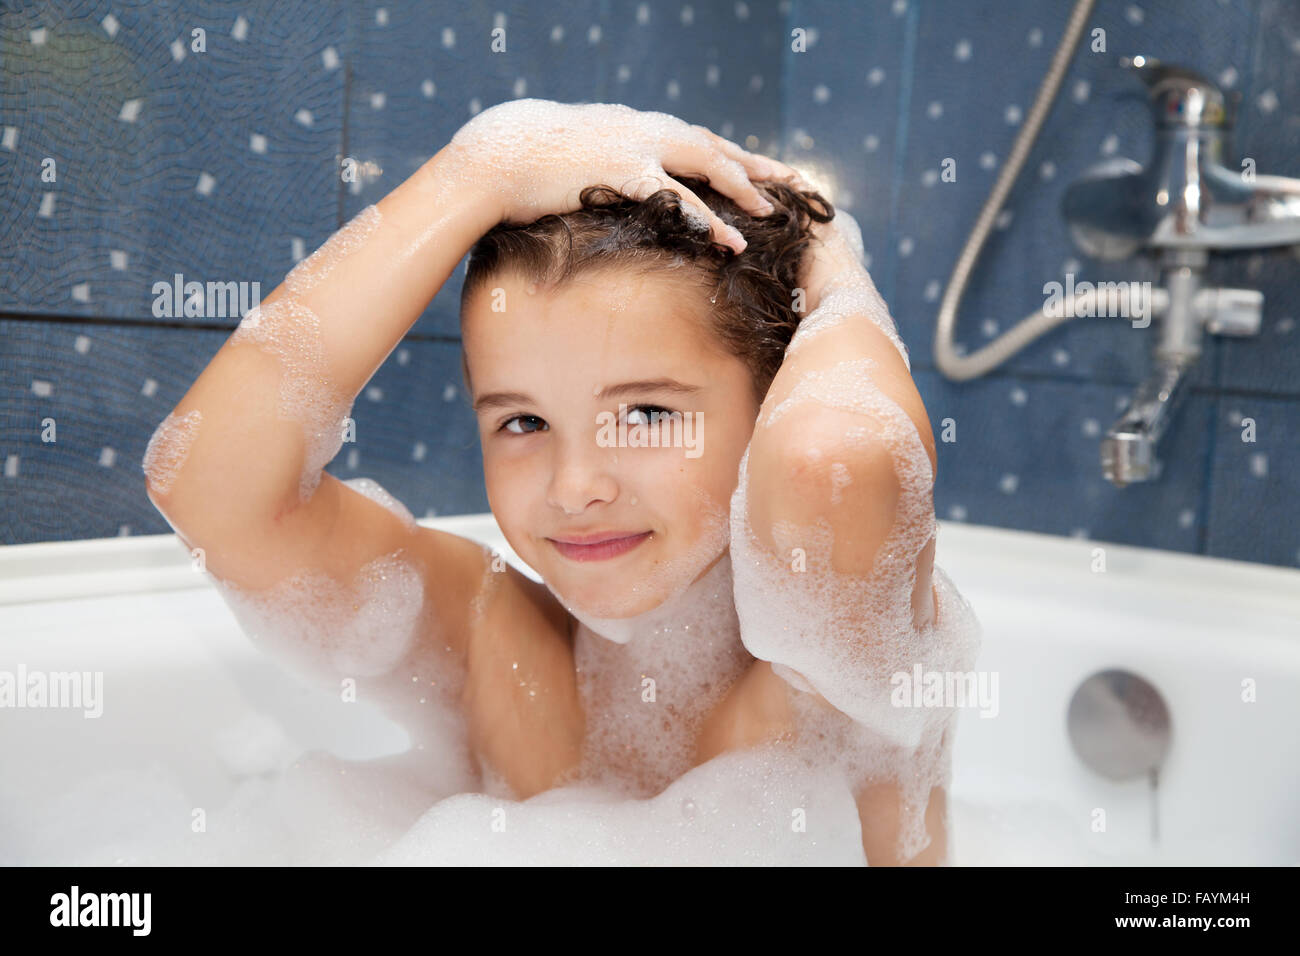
column 609, row 603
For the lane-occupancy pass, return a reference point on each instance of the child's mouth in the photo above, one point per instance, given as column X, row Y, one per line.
column 601, row 549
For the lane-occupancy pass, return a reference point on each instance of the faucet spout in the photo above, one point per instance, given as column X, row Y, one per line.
column 1128, row 452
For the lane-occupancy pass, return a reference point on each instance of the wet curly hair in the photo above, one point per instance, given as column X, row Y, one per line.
column 752, row 292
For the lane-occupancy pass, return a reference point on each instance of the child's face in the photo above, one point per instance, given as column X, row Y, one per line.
column 557, row 463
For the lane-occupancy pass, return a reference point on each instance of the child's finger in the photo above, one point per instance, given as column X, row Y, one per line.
column 727, row 176
column 758, row 167
column 643, row 186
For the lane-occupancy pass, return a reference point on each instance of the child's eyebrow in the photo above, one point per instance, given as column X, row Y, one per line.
column 503, row 399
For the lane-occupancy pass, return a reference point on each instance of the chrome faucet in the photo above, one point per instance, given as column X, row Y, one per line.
column 1183, row 204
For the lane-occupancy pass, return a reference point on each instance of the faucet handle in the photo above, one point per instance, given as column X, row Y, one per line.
column 1179, row 96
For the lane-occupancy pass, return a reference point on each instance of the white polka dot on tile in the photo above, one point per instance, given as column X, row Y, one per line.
column 876, row 76
column 381, row 17
column 643, row 13
column 1061, row 357
column 989, row 327
column 1047, row 170
column 1035, row 37
column 905, row 246
column 1018, row 396
column 1259, row 464
column 9, row 138
column 257, row 143
column 755, row 83
column 149, row 389
column 821, row 93
column 1081, row 90
column 932, row 289
column 448, row 392
column 1135, row 15
column 1008, row 484
column 673, row 90
column 330, row 58
column 957, row 513
column 934, row 110
column 1186, row 518
column 1013, row 115
column 418, row 451
column 1228, row 78
column 687, row 15
column 374, row 393
column 871, row 143
column 1079, row 533
column 110, row 25
column 124, row 531
column 130, row 111
column 1004, row 218
column 205, row 185
column 177, row 49
column 1110, row 144
column 11, row 466
column 988, row 160
column 81, row 292
column 38, row 36
column 593, row 34
column 42, row 388
column 1267, row 101
column 962, row 51
column 625, row 73
column 118, row 259
column 742, row 11
column 900, row 7
column 403, row 356
column 353, row 459
column 107, row 456
column 303, row 117
column 428, row 88
column 46, row 210
column 377, row 101
column 448, row 38
column 240, row 30
column 81, row 344
column 929, row 177
column 1091, row 427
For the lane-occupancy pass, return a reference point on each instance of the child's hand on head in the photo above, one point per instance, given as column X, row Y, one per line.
column 536, row 156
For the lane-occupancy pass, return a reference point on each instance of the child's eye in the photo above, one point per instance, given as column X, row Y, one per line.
column 505, row 426
column 648, row 414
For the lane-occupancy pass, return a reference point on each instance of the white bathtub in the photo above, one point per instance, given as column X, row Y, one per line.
column 193, row 714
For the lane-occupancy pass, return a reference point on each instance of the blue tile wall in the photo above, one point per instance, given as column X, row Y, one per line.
column 224, row 165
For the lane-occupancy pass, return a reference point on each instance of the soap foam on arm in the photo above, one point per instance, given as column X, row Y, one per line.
column 846, row 635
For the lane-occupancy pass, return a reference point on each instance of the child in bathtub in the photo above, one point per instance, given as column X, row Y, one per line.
column 697, row 424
